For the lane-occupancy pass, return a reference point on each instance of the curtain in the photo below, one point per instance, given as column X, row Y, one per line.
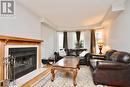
column 78, row 38
column 65, row 41
column 71, row 42
column 93, row 42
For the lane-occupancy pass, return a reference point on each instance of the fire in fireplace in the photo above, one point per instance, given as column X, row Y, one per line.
column 25, row 61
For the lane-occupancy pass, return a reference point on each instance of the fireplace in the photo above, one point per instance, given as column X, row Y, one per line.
column 8, row 42
column 25, row 61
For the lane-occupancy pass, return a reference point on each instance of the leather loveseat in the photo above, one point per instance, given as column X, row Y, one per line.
column 114, row 70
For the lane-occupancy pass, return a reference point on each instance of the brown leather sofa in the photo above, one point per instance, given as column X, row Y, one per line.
column 114, row 70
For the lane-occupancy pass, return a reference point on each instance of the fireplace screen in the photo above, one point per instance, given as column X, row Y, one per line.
column 25, row 61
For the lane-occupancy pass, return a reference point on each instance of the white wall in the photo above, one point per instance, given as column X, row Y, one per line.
column 50, row 41
column 25, row 24
column 119, row 33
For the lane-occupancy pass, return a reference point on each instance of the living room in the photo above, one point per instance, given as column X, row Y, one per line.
column 46, row 32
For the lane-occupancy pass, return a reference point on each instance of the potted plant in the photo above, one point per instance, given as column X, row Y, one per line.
column 79, row 45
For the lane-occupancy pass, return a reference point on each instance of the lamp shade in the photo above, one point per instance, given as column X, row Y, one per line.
column 100, row 42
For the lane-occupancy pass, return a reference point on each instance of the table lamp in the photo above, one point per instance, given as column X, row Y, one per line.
column 100, row 45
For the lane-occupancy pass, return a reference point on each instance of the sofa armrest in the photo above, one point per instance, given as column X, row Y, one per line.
column 57, row 56
column 56, row 53
column 111, row 65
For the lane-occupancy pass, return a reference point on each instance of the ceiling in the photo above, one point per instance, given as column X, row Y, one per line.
column 69, row 13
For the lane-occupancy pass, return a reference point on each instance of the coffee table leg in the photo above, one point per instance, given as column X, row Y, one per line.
column 53, row 74
column 78, row 66
column 74, row 76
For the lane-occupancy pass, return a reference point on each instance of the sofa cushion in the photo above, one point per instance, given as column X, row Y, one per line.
column 123, row 57
column 62, row 53
column 114, row 56
column 83, row 53
column 72, row 52
column 109, row 53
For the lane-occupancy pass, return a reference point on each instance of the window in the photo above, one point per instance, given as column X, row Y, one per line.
column 82, row 40
column 99, row 36
column 60, row 40
column 71, row 40
column 74, row 39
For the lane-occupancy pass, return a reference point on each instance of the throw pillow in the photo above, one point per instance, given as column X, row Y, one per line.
column 124, row 57
column 83, row 53
column 62, row 53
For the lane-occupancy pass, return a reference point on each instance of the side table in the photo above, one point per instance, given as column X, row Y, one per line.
column 96, row 56
column 45, row 61
column 48, row 61
column 51, row 60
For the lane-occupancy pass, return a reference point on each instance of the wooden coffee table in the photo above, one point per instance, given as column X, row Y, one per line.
column 67, row 64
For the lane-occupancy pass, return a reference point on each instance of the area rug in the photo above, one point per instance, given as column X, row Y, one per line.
column 84, row 79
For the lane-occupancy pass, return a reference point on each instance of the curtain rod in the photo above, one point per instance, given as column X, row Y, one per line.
column 80, row 30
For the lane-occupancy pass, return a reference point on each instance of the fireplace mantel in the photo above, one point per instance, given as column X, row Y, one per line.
column 10, row 40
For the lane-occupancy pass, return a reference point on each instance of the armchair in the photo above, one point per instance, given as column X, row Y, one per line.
column 115, row 71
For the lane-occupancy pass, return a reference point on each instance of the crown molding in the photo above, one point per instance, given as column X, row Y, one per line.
column 81, row 28
column 113, row 12
column 46, row 21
